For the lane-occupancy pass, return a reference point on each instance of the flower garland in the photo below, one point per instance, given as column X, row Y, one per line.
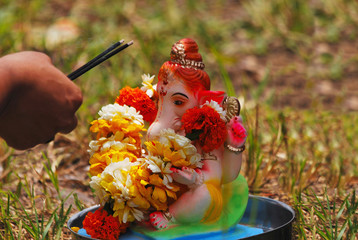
column 118, row 136
column 206, row 125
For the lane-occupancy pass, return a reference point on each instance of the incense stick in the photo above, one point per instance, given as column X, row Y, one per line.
column 109, row 52
column 113, row 46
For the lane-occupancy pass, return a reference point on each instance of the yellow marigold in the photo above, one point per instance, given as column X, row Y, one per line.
column 99, row 161
column 124, row 122
column 115, row 184
column 151, row 187
column 174, row 148
column 106, row 128
column 113, row 149
column 133, row 208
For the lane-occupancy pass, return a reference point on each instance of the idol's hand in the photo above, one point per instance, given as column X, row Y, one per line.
column 236, row 132
column 188, row 176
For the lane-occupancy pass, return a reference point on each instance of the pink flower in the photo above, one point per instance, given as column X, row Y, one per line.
column 236, row 132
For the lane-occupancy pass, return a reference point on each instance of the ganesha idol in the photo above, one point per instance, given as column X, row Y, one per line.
column 200, row 138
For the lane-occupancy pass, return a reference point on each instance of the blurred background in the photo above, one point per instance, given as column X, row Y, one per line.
column 293, row 64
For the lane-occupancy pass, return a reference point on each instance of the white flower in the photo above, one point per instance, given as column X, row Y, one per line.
column 157, row 165
column 196, row 160
column 116, row 145
column 217, row 108
column 153, row 163
column 182, row 145
column 132, row 209
column 115, row 183
column 138, row 214
column 109, row 111
column 117, row 169
column 94, row 146
column 147, row 85
column 117, row 174
column 104, row 144
column 189, row 149
column 169, row 137
column 101, row 195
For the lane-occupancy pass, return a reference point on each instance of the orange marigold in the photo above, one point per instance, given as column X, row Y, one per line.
column 205, row 125
column 134, row 97
column 103, row 226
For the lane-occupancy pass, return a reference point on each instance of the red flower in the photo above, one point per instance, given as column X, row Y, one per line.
column 134, row 97
column 103, row 226
column 205, row 125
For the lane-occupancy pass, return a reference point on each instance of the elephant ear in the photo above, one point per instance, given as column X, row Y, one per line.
column 217, row 96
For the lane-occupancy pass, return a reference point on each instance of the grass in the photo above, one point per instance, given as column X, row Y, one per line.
column 336, row 218
column 292, row 63
column 39, row 218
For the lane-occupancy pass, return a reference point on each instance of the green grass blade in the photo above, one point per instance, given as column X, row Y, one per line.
column 78, row 203
column 19, row 236
column 48, row 226
column 340, row 235
column 9, row 227
column 31, row 228
column 52, row 175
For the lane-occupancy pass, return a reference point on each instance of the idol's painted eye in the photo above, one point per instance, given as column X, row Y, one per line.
column 179, row 99
column 178, row 102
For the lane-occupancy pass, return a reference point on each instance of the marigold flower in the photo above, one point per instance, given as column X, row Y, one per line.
column 103, row 226
column 115, row 183
column 174, row 148
column 134, row 97
column 216, row 106
column 152, row 188
column 118, row 128
column 99, row 161
column 206, row 126
column 113, row 149
column 105, row 128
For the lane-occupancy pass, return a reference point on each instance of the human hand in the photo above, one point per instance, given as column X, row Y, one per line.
column 37, row 100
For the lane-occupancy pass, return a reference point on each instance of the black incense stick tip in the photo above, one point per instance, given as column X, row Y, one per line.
column 109, row 52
